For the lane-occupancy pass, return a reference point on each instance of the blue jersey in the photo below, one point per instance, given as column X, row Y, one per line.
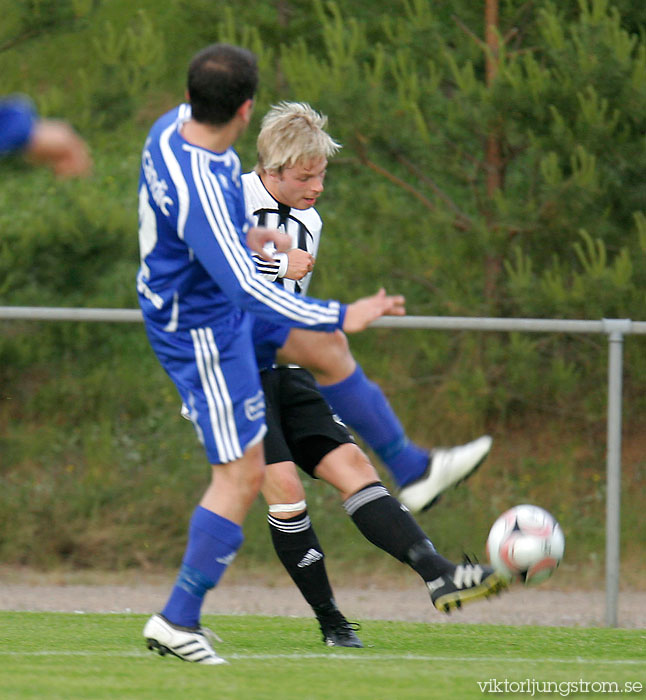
column 197, row 282
column 195, row 267
column 17, row 118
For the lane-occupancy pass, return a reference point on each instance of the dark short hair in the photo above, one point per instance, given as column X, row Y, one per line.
column 220, row 78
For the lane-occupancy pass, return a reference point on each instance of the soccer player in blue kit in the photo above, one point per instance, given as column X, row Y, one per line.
column 197, row 287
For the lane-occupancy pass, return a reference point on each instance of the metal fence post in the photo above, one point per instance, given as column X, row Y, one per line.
column 615, row 329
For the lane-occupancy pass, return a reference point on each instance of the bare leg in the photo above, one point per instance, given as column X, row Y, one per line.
column 235, row 485
column 326, row 355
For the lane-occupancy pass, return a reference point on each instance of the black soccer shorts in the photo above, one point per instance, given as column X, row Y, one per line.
column 301, row 426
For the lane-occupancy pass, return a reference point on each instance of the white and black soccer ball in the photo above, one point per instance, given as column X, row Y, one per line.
column 526, row 544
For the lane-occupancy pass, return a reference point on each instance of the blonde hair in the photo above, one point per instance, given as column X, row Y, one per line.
column 291, row 132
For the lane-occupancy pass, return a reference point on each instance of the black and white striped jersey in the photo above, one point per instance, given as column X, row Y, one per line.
column 303, row 226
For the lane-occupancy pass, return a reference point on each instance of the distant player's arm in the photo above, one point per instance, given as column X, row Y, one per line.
column 43, row 141
column 55, row 144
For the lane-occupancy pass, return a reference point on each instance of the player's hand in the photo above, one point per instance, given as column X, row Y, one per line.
column 299, row 263
column 258, row 237
column 55, row 144
column 363, row 312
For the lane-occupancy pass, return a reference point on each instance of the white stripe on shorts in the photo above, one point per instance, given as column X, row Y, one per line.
column 217, row 395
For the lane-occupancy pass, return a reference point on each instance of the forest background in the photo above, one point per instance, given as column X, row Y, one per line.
column 494, row 164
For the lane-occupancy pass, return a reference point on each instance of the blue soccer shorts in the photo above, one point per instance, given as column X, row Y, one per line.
column 215, row 372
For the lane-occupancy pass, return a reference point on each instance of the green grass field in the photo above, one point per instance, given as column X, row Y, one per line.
column 89, row 656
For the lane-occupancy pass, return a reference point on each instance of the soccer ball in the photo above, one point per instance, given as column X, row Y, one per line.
column 525, row 544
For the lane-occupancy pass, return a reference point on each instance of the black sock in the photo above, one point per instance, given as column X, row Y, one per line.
column 299, row 550
column 383, row 521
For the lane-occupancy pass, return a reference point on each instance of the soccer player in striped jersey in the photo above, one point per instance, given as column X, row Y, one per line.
column 293, row 148
column 48, row 142
column 303, row 430
column 197, row 284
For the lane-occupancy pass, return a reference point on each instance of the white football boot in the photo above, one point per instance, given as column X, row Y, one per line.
column 186, row 643
column 447, row 467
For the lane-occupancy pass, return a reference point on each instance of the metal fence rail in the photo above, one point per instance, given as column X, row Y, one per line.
column 615, row 329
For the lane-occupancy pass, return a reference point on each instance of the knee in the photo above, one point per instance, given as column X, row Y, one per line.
column 334, row 361
column 348, row 469
column 338, row 346
column 285, row 500
column 255, row 479
column 363, row 468
column 360, row 470
column 282, row 486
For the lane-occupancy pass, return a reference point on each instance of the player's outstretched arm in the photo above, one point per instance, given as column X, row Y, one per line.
column 363, row 312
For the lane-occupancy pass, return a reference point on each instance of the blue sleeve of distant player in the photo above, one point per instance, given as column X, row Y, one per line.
column 228, row 261
column 17, row 119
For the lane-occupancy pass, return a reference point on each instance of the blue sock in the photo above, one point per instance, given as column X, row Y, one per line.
column 212, row 544
column 361, row 404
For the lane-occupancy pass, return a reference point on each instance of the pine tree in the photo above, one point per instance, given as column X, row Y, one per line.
column 509, row 138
